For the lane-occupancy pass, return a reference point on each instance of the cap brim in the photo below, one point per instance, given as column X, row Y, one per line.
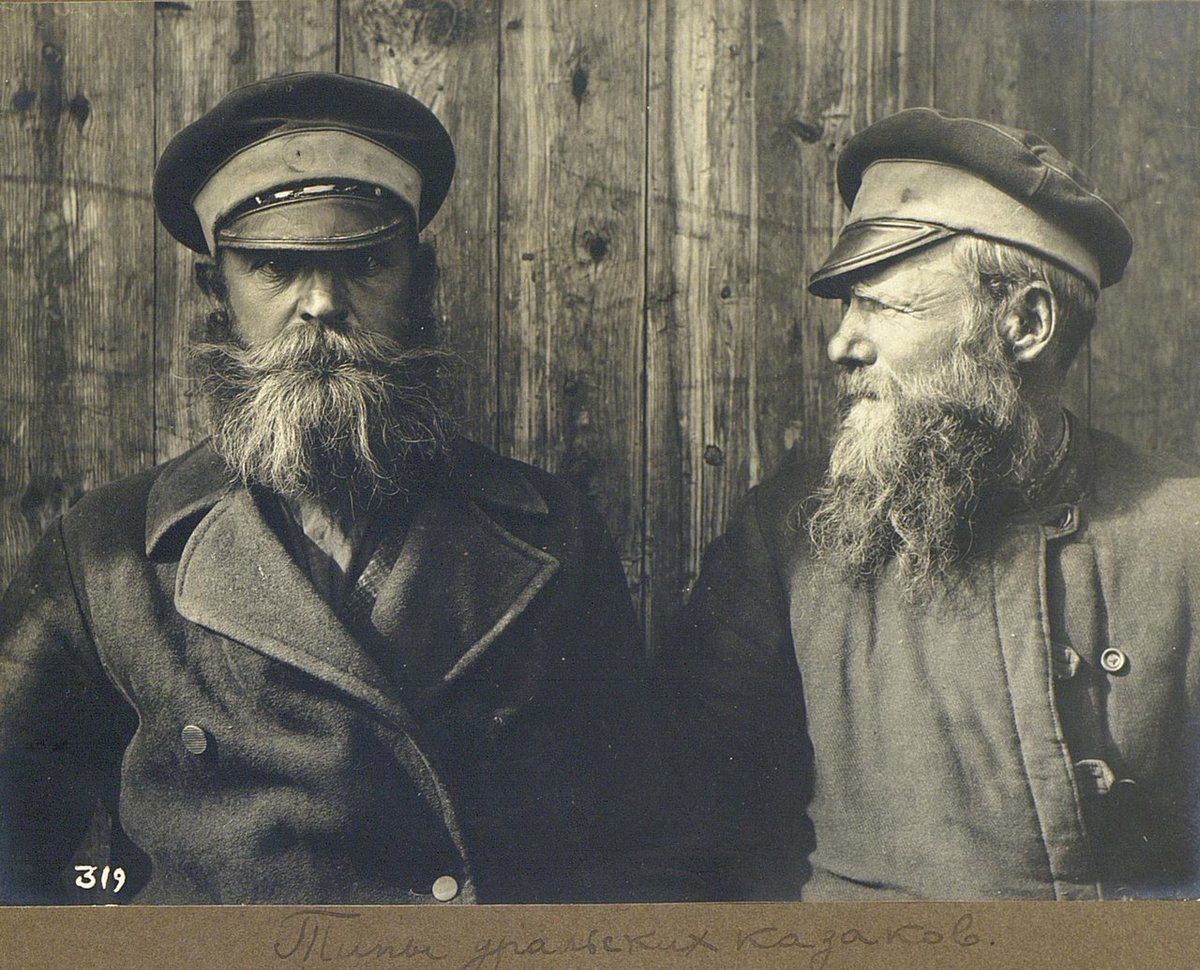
column 862, row 244
column 325, row 223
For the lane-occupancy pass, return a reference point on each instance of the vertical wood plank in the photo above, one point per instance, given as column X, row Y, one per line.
column 750, row 101
column 702, row 248
column 206, row 48
column 446, row 54
column 750, row 106
column 1023, row 63
column 825, row 71
column 573, row 96
column 75, row 350
column 1146, row 129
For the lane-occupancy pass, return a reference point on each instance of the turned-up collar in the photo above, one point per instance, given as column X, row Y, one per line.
column 1055, row 505
column 189, row 486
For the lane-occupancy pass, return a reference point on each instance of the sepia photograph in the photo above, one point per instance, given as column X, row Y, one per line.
column 482, row 454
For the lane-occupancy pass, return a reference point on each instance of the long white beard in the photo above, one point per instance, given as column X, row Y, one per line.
column 911, row 461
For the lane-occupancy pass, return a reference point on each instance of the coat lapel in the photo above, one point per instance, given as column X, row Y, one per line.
column 459, row 581
column 237, row 579
column 460, row 578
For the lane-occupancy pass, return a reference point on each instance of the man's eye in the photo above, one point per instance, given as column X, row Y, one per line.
column 871, row 305
column 365, row 263
column 274, row 268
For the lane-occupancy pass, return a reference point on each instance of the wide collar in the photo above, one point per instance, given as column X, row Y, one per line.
column 188, row 486
column 461, row 578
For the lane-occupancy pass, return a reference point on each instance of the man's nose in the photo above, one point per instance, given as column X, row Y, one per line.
column 850, row 346
column 322, row 299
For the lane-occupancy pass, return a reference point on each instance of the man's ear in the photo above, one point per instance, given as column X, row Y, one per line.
column 1031, row 322
column 211, row 282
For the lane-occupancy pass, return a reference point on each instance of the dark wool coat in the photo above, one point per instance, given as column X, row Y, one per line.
column 1033, row 731
column 517, row 758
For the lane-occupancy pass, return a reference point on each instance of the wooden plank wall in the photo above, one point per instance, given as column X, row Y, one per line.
column 643, row 187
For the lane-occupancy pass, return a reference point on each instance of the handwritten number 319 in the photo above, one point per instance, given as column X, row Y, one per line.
column 87, row 877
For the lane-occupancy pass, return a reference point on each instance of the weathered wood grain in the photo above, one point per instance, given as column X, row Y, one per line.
column 702, row 277
column 205, row 48
column 643, row 188
column 573, row 148
column 753, row 110
column 825, row 71
column 1024, row 63
column 446, row 54
column 1146, row 133
column 76, row 359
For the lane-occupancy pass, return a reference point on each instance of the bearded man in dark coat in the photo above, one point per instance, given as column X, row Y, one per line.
column 962, row 662
column 335, row 652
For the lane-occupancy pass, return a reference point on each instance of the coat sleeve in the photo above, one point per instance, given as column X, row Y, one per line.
column 736, row 742
column 619, row 785
column 58, row 719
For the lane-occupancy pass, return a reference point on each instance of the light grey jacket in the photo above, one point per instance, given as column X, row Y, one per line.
column 840, row 742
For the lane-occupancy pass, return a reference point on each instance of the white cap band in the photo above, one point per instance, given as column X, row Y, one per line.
column 302, row 156
column 946, row 195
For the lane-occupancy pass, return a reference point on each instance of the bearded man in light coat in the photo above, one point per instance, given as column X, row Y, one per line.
column 336, row 652
column 960, row 662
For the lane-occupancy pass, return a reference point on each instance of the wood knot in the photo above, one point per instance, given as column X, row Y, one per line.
column 596, row 245
column 81, row 109
column 437, row 22
column 806, row 131
column 579, row 85
column 23, row 99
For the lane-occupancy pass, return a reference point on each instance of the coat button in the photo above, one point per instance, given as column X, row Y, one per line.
column 1066, row 521
column 195, row 739
column 1065, row 661
column 1094, row 777
column 1114, row 661
column 445, row 888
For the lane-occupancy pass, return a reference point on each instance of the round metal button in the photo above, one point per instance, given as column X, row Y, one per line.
column 195, row 740
column 445, row 888
column 1113, row 660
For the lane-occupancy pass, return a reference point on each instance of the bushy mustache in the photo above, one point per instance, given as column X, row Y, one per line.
column 339, row 416
column 858, row 385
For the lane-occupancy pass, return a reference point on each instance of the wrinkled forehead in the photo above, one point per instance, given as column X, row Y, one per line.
column 929, row 279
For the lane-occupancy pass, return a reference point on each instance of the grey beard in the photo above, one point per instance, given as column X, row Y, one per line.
column 342, row 419
column 908, row 469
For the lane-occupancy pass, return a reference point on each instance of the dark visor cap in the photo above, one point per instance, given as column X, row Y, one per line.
column 920, row 176
column 301, row 130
